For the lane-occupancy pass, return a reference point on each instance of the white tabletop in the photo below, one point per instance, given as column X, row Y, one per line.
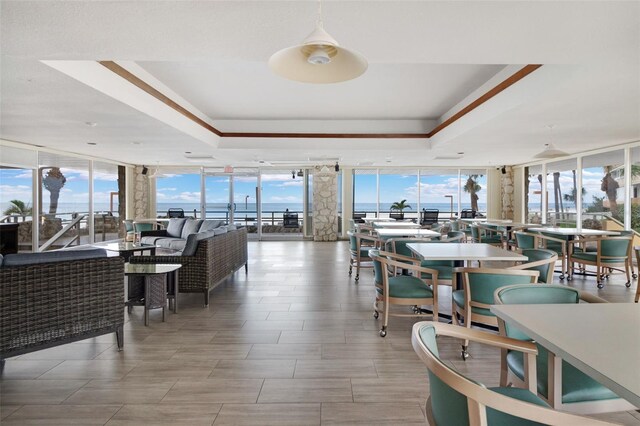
column 377, row 219
column 576, row 231
column 395, row 225
column 511, row 224
column 600, row 339
column 463, row 251
column 406, row 232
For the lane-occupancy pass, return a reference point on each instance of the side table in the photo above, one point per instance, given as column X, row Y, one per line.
column 149, row 286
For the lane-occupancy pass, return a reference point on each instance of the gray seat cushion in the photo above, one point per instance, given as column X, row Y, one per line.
column 210, row 224
column 174, row 229
column 149, row 240
column 166, row 242
column 220, row 230
column 23, row 259
column 191, row 226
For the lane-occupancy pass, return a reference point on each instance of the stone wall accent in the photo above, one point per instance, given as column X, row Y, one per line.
column 140, row 194
column 325, row 207
column 506, row 190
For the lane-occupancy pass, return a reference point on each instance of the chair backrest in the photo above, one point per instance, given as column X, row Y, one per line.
column 139, row 227
column 531, row 295
column 359, row 217
column 399, row 245
column 128, row 225
column 480, row 283
column 396, row 216
column 353, row 241
column 467, row 214
column 175, row 212
column 617, row 247
column 541, row 260
column 429, row 216
column 454, row 225
column 377, row 266
column 525, row 240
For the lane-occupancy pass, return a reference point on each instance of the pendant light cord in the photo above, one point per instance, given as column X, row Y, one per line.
column 319, row 22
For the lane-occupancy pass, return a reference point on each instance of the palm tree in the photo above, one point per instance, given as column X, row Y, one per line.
column 400, row 205
column 53, row 182
column 472, row 187
column 19, row 207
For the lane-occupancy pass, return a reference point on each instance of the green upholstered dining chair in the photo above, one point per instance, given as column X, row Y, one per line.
column 143, row 226
column 454, row 237
column 611, row 252
column 444, row 267
column 473, row 302
column 541, row 260
column 455, row 399
column 359, row 246
column 526, row 240
column 128, row 227
column 403, row 290
column 481, row 234
column 557, row 243
column 562, row 385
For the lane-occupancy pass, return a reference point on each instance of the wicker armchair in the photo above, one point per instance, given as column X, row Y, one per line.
column 50, row 304
column 215, row 259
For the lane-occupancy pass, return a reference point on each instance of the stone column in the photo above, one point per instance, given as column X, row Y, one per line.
column 140, row 194
column 506, row 189
column 325, row 207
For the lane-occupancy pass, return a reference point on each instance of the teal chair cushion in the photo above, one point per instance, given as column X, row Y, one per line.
column 139, row 227
column 407, row 287
column 364, row 252
column 576, row 386
column 491, row 240
column 592, row 257
column 377, row 266
column 525, row 241
column 445, row 272
column 534, row 255
column 458, row 299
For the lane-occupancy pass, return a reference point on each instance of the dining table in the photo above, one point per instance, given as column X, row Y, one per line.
column 600, row 339
column 396, row 224
column 385, row 233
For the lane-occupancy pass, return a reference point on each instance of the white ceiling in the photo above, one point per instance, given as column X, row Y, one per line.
column 425, row 58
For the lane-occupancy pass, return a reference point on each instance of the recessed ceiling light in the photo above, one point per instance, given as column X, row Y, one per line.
column 91, row 143
column 90, row 123
column 187, row 152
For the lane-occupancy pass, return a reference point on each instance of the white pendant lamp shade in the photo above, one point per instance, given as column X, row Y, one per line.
column 550, row 151
column 319, row 59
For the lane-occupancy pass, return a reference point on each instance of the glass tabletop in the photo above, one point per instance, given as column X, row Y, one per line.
column 150, row 268
column 125, row 246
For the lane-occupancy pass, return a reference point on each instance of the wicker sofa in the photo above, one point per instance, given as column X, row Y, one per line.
column 207, row 259
column 53, row 298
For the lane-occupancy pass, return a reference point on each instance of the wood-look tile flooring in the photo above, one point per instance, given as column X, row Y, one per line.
column 293, row 342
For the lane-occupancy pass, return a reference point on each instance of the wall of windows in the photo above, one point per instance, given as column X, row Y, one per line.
column 58, row 200
column 448, row 190
column 599, row 190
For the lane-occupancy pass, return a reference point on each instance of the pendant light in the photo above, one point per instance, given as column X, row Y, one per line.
column 319, row 59
column 550, row 151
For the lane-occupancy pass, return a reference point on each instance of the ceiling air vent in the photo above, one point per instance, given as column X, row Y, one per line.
column 199, row 157
column 448, row 157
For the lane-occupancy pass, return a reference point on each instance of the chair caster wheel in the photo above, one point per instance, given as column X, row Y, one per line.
column 628, row 284
column 383, row 332
column 376, row 315
column 464, row 354
column 350, row 273
column 561, row 277
column 357, row 278
column 634, row 276
column 569, row 278
column 600, row 285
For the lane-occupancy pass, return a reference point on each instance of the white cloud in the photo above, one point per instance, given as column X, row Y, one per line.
column 167, row 189
column 294, row 183
column 13, row 192
column 287, row 199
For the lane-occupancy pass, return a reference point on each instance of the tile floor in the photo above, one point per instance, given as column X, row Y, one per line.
column 293, row 342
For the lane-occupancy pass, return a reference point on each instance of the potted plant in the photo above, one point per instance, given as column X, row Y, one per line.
column 399, row 206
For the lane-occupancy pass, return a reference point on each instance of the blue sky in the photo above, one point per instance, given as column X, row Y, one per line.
column 16, row 184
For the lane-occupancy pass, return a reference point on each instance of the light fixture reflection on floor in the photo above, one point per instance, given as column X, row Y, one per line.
column 319, row 59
